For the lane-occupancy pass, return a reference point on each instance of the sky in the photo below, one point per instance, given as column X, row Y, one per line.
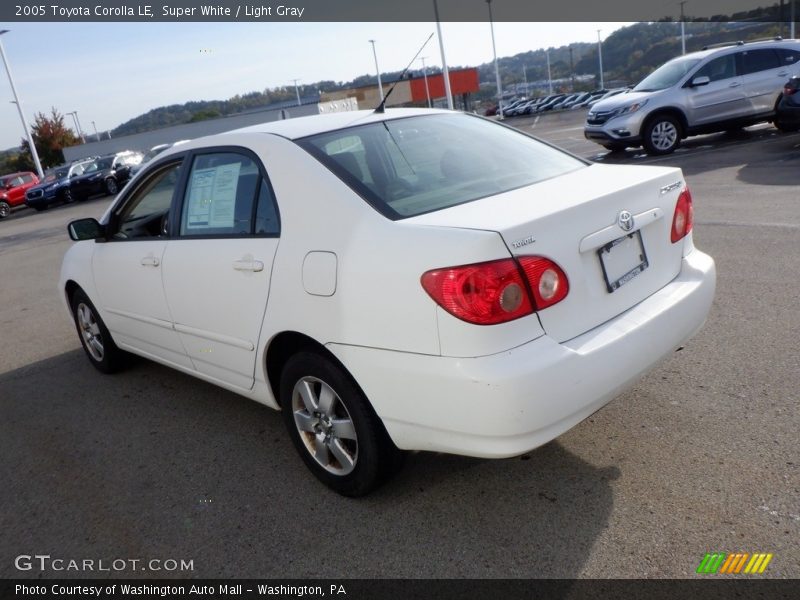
column 112, row 72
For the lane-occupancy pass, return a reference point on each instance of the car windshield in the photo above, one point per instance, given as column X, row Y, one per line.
column 104, row 163
column 410, row 166
column 59, row 174
column 4, row 181
column 666, row 75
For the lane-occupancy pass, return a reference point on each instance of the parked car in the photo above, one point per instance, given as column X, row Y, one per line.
column 389, row 286
column 787, row 116
column 55, row 186
column 721, row 88
column 106, row 175
column 548, row 105
column 151, row 154
column 12, row 190
column 608, row 94
column 563, row 102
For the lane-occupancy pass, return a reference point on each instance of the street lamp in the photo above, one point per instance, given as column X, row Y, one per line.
column 496, row 68
column 74, row 114
column 297, row 91
column 31, row 145
column 600, row 58
column 549, row 76
column 425, row 75
column 96, row 135
column 445, row 70
column 375, row 55
column 683, row 30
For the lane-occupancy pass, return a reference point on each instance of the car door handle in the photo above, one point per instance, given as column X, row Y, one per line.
column 735, row 84
column 783, row 74
column 248, row 265
column 149, row 261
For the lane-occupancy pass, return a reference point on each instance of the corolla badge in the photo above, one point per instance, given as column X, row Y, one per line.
column 625, row 220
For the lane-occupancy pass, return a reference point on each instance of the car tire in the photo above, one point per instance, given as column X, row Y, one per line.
column 67, row 197
column 5, row 209
column 787, row 127
column 95, row 337
column 662, row 135
column 111, row 186
column 333, row 427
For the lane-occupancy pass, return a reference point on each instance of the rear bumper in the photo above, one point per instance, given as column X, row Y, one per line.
column 508, row 403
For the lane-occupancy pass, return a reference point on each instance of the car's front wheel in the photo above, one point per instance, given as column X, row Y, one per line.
column 111, row 186
column 95, row 338
column 333, row 427
column 786, row 127
column 5, row 209
column 662, row 135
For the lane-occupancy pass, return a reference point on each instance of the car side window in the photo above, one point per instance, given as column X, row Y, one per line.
column 754, row 61
column 789, row 57
column 226, row 195
column 145, row 214
column 27, row 178
column 718, row 69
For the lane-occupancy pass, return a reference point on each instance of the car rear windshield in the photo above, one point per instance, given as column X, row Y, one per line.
column 410, row 166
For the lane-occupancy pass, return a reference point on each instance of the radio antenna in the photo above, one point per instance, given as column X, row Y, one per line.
column 381, row 106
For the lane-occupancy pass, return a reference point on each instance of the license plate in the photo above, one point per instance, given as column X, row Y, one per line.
column 622, row 260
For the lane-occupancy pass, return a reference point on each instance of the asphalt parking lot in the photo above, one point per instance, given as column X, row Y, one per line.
column 700, row 456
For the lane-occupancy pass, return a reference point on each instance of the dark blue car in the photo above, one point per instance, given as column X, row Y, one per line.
column 787, row 115
column 55, row 186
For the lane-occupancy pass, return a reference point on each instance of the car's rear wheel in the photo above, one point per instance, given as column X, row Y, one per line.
column 68, row 197
column 95, row 338
column 333, row 427
column 5, row 209
column 662, row 135
column 111, row 186
column 786, row 127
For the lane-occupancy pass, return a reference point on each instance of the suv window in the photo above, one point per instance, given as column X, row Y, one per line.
column 759, row 60
column 145, row 213
column 27, row 178
column 720, row 68
column 789, row 57
column 226, row 195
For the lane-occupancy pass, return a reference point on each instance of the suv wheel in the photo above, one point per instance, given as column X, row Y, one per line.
column 111, row 186
column 333, row 427
column 662, row 135
column 5, row 209
column 786, row 127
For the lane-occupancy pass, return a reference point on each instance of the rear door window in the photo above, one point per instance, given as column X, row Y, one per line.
column 764, row 59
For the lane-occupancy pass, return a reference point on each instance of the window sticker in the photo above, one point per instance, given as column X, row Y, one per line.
column 212, row 197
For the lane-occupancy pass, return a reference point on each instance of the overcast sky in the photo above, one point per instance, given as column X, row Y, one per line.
column 112, row 72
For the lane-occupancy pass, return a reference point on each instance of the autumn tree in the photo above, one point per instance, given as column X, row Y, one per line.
column 51, row 136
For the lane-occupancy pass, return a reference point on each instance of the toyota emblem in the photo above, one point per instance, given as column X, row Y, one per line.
column 625, row 220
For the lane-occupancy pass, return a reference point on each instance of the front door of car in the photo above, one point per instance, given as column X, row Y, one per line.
column 218, row 264
column 128, row 269
column 722, row 98
column 763, row 75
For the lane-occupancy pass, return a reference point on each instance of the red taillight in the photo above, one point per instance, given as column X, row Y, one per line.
column 548, row 282
column 496, row 292
column 683, row 219
column 789, row 90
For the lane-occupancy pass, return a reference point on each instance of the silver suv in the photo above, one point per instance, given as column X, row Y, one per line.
column 722, row 87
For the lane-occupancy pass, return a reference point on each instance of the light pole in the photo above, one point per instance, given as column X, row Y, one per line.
column 600, row 58
column 425, row 75
column 445, row 70
column 496, row 68
column 549, row 76
column 75, row 120
column 96, row 135
column 683, row 30
column 297, row 91
column 31, row 145
column 791, row 18
column 375, row 55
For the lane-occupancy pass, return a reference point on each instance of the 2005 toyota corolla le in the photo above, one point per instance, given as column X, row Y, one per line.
column 407, row 280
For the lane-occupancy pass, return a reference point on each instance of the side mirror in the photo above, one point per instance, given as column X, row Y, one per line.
column 702, row 80
column 85, row 229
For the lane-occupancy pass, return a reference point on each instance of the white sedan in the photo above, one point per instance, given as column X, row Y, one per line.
column 407, row 280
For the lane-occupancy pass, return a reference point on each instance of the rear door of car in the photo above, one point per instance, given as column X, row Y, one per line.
column 722, row 98
column 763, row 75
column 218, row 263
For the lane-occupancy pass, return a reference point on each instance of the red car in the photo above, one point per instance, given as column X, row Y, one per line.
column 12, row 190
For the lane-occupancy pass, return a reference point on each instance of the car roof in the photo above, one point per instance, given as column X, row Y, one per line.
column 737, row 47
column 300, row 127
column 17, row 174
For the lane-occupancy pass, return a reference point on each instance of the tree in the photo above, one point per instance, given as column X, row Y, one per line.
column 50, row 136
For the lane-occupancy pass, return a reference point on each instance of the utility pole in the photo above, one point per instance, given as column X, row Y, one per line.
column 296, row 91
column 571, row 71
column 425, row 75
column 549, row 76
column 375, row 55
column 600, row 58
column 496, row 67
column 96, row 135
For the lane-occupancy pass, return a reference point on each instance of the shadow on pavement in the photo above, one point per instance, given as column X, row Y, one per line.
column 151, row 463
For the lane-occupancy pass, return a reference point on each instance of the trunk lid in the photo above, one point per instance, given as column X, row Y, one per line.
column 573, row 218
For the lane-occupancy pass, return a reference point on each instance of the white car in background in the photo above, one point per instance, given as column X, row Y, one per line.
column 407, row 280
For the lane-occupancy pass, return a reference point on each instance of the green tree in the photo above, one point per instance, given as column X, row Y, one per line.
column 51, row 136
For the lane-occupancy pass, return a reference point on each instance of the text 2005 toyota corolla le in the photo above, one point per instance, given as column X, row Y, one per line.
column 407, row 280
